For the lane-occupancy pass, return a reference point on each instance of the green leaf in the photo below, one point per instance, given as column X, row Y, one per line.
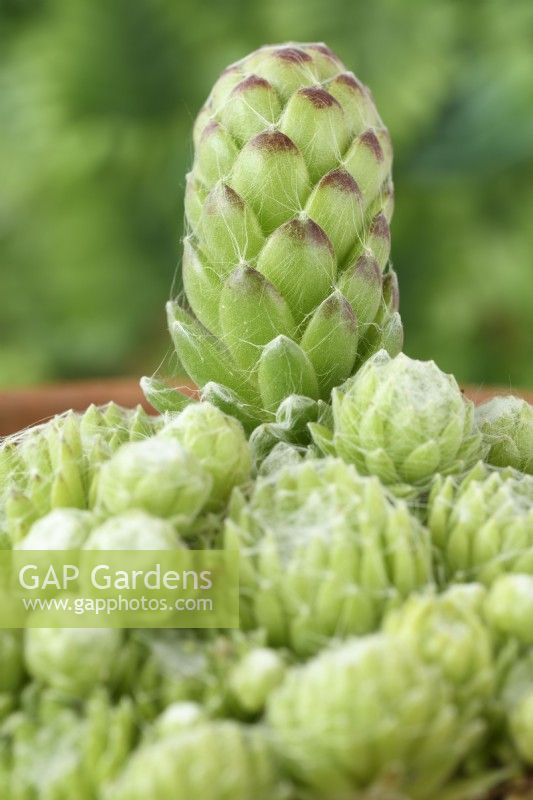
column 285, row 369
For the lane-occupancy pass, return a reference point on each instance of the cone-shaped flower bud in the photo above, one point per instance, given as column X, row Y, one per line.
column 507, row 426
column 403, row 420
column 290, row 192
column 323, row 553
column 158, row 476
column 448, row 632
column 369, row 715
column 216, row 760
column 483, row 524
column 218, row 442
column 53, row 465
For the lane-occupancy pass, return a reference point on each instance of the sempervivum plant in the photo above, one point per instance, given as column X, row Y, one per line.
column 507, row 425
column 402, row 420
column 157, row 476
column 323, row 552
column 218, row 442
column 211, row 760
column 51, row 749
column 53, row 465
column 448, row 631
column 288, row 205
column 483, row 525
column 370, row 715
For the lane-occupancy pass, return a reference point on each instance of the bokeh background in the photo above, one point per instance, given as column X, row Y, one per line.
column 97, row 99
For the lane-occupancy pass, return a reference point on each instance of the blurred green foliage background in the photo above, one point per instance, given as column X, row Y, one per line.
column 97, row 99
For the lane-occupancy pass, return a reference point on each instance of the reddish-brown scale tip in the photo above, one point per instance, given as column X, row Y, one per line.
column 307, row 229
column 325, row 50
column 274, row 142
column 337, row 303
column 368, row 264
column 380, row 227
column 292, row 54
column 391, row 287
column 318, row 97
column 251, row 82
column 223, row 192
column 245, row 273
column 349, row 79
column 371, row 141
column 210, row 128
column 232, row 68
column 341, row 180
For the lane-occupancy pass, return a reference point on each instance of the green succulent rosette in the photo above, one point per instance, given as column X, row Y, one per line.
column 218, row 442
column 157, row 476
column 51, row 749
column 54, row 465
column 288, row 204
column 507, row 426
column 214, row 760
column 482, row 525
column 60, row 529
column 449, row 632
column 323, row 552
column 73, row 661
column 402, row 420
column 370, row 718
column 133, row 530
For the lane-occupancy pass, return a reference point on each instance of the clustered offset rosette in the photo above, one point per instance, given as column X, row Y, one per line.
column 507, row 426
column 218, row 442
column 288, row 203
column 323, row 552
column 370, row 716
column 449, row 632
column 52, row 749
column 483, row 525
column 216, row 759
column 402, row 420
column 53, row 465
column 189, row 467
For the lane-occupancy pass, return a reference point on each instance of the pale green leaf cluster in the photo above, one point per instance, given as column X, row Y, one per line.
column 54, row 465
column 402, row 420
column 507, row 426
column 483, row 524
column 323, row 552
